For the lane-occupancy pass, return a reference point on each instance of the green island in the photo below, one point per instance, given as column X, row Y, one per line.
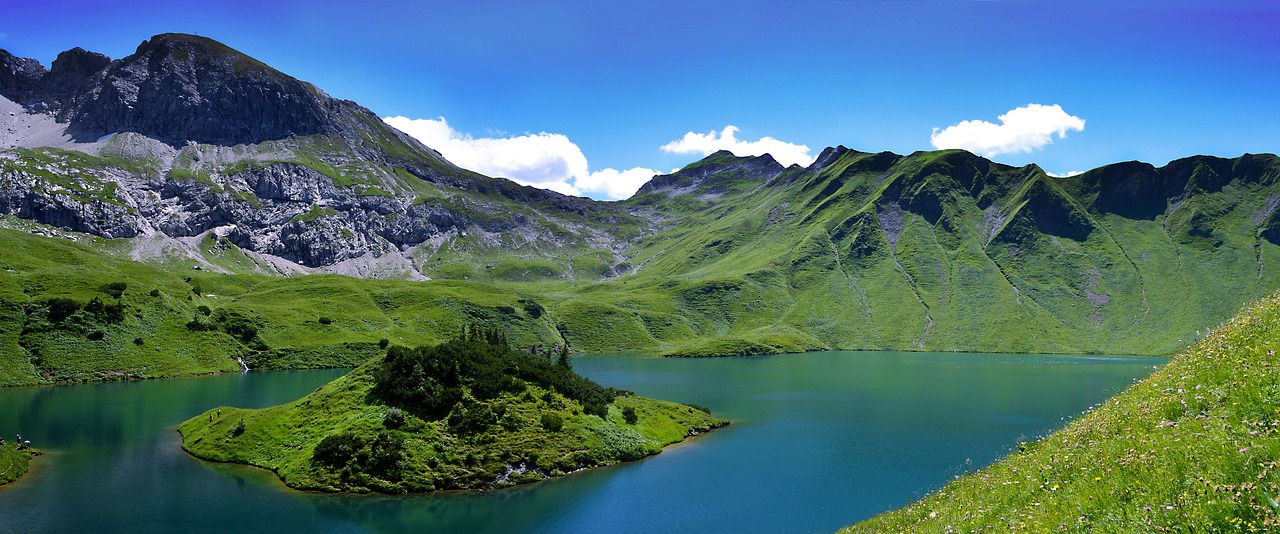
column 468, row 414
column 14, row 462
column 1193, row 448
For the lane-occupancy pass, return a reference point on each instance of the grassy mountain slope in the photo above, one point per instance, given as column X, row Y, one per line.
column 351, row 435
column 935, row 251
column 166, row 322
column 938, row 250
column 1191, row 448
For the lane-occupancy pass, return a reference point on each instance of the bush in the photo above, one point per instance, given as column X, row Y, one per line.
column 138, row 341
column 325, row 320
column 97, row 335
column 382, row 343
column 385, row 457
column 204, row 310
column 553, row 422
column 394, row 418
column 154, row 292
column 239, row 429
column 629, row 415
column 115, row 289
column 532, row 308
column 60, row 308
column 102, row 312
column 336, row 450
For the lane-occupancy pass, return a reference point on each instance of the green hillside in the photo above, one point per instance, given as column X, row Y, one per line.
column 938, row 251
column 468, row 414
column 1193, row 448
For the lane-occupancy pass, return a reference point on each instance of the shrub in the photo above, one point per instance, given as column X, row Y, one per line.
column 553, row 422
column 466, row 419
column 629, row 415
column 97, row 335
column 597, row 409
column 204, row 310
column 385, row 457
column 532, row 308
column 138, row 341
column 336, row 450
column 325, row 320
column 154, row 292
column 109, row 313
column 239, row 429
column 382, row 343
column 394, row 418
column 60, row 308
column 115, row 289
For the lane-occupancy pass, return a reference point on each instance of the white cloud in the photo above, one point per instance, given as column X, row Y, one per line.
column 782, row 151
column 545, row 160
column 1067, row 175
column 613, row 183
column 1024, row 129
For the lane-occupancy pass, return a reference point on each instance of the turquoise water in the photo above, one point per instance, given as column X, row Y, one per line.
column 818, row 441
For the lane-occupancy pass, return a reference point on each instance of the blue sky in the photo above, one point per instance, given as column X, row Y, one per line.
column 617, row 81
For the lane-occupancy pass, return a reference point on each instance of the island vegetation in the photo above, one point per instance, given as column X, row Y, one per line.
column 1193, row 448
column 469, row 414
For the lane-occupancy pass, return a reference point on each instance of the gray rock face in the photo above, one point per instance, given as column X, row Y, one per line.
column 20, row 77
column 179, row 88
column 175, row 88
column 711, row 177
column 189, row 136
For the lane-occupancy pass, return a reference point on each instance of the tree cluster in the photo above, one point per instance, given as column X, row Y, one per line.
column 429, row 381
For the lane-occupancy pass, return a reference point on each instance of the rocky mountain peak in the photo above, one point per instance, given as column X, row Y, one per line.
column 714, row 174
column 19, row 77
column 182, row 88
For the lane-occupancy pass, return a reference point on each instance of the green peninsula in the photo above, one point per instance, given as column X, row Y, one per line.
column 14, row 462
column 469, row 414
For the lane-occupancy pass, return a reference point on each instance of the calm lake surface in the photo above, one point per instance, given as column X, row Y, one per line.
column 818, row 441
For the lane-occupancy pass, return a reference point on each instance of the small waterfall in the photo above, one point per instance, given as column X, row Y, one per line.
column 244, row 368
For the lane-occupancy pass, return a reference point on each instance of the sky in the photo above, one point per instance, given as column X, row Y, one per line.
column 592, row 98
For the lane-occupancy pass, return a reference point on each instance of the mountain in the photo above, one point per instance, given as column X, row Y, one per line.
column 146, row 171
column 188, row 140
column 949, row 251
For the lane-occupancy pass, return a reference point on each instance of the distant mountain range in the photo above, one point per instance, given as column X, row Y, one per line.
column 197, row 155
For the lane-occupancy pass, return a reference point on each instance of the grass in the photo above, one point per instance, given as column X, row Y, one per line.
column 1193, row 448
column 932, row 251
column 14, row 463
column 524, row 434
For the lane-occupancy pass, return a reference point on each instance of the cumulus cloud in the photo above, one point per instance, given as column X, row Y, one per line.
column 1067, row 175
column 1023, row 129
column 615, row 184
column 704, row 144
column 545, row 160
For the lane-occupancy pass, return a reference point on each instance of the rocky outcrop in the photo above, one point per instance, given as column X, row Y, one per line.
column 179, row 88
column 176, row 88
column 187, row 135
column 714, row 175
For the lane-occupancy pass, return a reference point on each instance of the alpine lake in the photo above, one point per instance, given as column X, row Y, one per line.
column 818, row 441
